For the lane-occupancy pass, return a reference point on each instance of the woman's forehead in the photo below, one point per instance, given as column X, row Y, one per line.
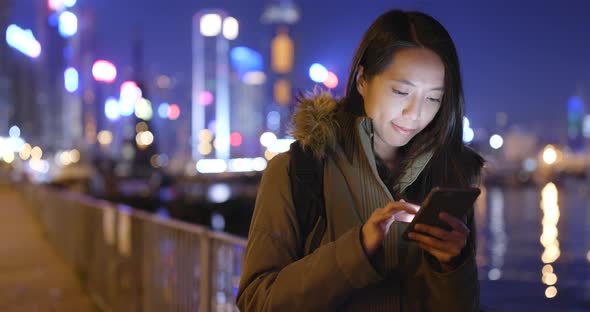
column 416, row 66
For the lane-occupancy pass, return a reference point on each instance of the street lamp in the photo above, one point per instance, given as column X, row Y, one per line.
column 332, row 81
column 210, row 25
column 318, row 73
column 104, row 71
column 130, row 93
column 549, row 155
column 496, row 141
column 71, row 79
column 69, row 3
column 468, row 134
column 23, row 41
column 68, row 24
column 231, row 28
column 111, row 109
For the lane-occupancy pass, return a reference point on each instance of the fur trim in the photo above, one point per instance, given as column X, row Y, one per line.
column 314, row 122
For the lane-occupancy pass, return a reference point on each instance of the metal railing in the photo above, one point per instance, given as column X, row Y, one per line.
column 129, row 260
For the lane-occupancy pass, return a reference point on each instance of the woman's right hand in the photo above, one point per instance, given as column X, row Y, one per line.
column 375, row 230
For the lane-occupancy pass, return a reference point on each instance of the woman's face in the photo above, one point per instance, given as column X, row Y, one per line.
column 404, row 98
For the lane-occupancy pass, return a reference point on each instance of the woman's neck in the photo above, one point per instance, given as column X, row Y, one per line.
column 386, row 153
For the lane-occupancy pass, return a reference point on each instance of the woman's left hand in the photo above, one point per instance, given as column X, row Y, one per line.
column 443, row 245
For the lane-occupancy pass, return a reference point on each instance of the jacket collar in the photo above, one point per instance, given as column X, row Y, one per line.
column 409, row 176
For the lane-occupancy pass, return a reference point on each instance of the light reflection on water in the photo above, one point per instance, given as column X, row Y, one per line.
column 534, row 247
column 548, row 238
column 498, row 233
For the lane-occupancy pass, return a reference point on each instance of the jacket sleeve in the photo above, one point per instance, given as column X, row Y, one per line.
column 457, row 290
column 273, row 278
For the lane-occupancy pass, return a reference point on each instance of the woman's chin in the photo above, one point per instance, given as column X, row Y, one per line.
column 398, row 142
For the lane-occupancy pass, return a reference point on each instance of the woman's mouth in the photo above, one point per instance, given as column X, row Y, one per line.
column 401, row 129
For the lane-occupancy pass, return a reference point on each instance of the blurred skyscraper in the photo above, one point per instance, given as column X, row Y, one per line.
column 90, row 108
column 72, row 97
column 576, row 113
column 248, row 87
column 5, row 82
column 142, row 154
column 212, row 31
column 281, row 15
column 53, row 105
column 50, row 74
column 18, row 78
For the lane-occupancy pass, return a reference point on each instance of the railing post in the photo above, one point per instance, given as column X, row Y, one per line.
column 205, row 268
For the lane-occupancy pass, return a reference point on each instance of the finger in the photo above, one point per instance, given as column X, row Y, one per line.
column 391, row 206
column 440, row 255
column 381, row 218
column 455, row 223
column 413, row 206
column 453, row 238
column 378, row 215
column 433, row 231
column 394, row 207
column 403, row 216
column 433, row 242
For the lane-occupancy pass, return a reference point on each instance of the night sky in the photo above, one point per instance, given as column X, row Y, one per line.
column 522, row 57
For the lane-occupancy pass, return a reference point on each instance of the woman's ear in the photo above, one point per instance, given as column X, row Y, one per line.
column 360, row 80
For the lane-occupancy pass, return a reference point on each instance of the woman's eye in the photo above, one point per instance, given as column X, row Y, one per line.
column 434, row 100
column 399, row 92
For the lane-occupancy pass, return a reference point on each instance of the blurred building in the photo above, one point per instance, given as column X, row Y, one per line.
column 19, row 62
column 143, row 153
column 50, row 75
column 90, row 109
column 576, row 112
column 211, row 103
column 248, row 92
column 5, row 97
column 72, row 96
column 280, row 15
column 23, row 99
column 39, row 83
column 124, row 114
column 172, row 120
column 49, row 102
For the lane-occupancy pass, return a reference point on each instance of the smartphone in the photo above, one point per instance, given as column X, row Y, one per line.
column 454, row 201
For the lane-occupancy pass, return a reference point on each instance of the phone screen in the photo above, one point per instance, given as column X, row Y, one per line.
column 456, row 202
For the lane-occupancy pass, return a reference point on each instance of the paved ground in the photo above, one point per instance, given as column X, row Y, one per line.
column 33, row 277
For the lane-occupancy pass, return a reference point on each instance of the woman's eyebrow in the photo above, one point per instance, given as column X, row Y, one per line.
column 407, row 82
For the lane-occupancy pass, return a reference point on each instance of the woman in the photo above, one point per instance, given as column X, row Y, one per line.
column 395, row 135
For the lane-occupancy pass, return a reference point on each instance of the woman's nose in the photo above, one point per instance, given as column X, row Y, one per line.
column 412, row 109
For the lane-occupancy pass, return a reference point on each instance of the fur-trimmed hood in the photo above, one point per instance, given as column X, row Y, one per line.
column 314, row 124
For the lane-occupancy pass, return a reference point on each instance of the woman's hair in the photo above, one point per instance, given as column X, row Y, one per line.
column 452, row 164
